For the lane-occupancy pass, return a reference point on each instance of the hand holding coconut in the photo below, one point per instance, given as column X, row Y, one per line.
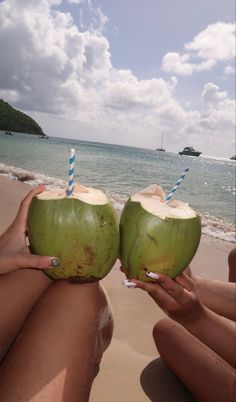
column 14, row 252
column 177, row 298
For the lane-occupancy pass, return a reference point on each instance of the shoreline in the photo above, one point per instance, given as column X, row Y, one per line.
column 12, row 192
column 213, row 227
column 131, row 367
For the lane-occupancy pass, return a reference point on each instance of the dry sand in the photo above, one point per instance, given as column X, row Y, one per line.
column 131, row 370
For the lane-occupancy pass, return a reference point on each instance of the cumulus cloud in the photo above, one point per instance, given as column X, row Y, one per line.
column 219, row 111
column 215, row 44
column 174, row 62
column 229, row 70
column 49, row 65
column 75, row 1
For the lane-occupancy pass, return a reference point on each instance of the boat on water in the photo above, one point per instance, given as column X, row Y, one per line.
column 190, row 151
column 161, row 149
column 233, row 158
column 44, row 137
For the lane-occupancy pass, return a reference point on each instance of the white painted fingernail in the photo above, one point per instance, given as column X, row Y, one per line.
column 152, row 275
column 129, row 284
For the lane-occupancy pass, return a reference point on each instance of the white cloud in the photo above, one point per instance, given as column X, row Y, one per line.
column 74, row 1
column 212, row 96
column 175, row 63
column 49, row 66
column 215, row 44
column 218, row 114
column 229, row 70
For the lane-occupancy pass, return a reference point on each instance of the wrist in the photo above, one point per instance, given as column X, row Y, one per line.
column 193, row 318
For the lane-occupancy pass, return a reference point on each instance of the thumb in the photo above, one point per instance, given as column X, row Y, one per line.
column 13, row 262
column 37, row 261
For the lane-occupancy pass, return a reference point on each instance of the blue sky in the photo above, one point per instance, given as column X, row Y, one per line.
column 123, row 71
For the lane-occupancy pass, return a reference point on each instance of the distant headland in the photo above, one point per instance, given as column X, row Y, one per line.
column 12, row 120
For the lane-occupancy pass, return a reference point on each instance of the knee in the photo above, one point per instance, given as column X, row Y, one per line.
column 162, row 332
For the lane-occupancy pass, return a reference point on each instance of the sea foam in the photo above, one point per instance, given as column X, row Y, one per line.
column 211, row 226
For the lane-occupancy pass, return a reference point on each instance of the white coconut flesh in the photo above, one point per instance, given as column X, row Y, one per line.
column 89, row 195
column 152, row 199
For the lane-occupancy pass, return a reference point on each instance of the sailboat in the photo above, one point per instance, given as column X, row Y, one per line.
column 161, row 149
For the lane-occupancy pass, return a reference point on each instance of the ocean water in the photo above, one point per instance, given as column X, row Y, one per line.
column 209, row 187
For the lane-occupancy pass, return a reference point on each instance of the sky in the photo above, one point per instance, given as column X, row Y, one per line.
column 123, row 72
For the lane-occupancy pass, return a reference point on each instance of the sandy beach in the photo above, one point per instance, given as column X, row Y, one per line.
column 131, row 370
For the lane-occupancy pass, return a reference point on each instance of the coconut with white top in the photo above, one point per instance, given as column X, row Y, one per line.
column 81, row 230
column 156, row 235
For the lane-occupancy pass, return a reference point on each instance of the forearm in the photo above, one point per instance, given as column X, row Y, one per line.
column 217, row 332
column 218, row 296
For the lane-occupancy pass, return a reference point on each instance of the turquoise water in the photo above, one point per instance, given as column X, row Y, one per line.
column 120, row 171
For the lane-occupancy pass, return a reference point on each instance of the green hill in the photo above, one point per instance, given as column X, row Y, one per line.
column 16, row 121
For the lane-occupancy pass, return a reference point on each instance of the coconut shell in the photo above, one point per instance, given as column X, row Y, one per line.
column 84, row 237
column 149, row 243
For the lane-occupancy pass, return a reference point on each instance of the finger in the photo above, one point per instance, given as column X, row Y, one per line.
column 37, row 261
column 185, row 281
column 9, row 263
column 128, row 284
column 175, row 290
column 21, row 218
column 159, row 295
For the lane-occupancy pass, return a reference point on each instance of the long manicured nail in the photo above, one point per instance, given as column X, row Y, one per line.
column 152, row 275
column 129, row 284
column 55, row 262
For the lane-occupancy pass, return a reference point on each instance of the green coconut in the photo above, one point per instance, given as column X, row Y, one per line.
column 81, row 230
column 156, row 236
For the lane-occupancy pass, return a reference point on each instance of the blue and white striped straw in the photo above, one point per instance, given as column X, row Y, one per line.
column 176, row 186
column 71, row 173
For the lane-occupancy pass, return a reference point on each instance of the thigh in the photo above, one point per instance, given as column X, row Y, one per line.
column 55, row 355
column 232, row 265
column 206, row 375
column 19, row 291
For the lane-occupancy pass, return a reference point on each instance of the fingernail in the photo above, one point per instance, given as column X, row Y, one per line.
column 55, row 262
column 129, row 284
column 152, row 275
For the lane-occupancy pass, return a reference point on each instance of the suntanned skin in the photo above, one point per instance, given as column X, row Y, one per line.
column 55, row 354
column 218, row 296
column 197, row 341
column 14, row 253
column 19, row 288
column 52, row 334
column 232, row 265
column 204, row 373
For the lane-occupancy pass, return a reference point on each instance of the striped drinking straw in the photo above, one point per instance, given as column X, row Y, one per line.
column 177, row 184
column 71, row 173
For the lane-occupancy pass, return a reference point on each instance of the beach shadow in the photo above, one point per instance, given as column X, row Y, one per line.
column 161, row 385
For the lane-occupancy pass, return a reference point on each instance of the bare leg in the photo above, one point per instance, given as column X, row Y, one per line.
column 55, row 354
column 232, row 265
column 206, row 375
column 19, row 291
